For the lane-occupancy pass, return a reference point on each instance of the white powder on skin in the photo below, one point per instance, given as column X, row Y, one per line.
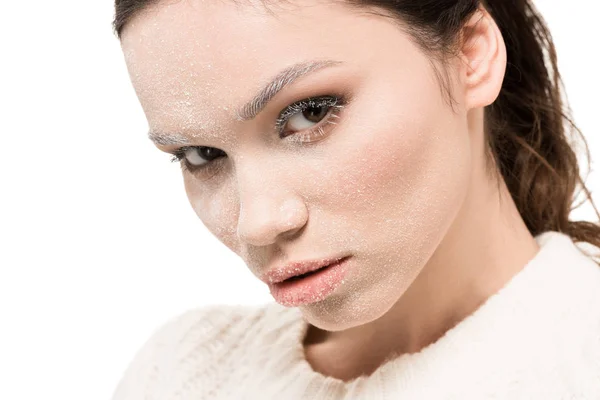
column 375, row 193
column 385, row 184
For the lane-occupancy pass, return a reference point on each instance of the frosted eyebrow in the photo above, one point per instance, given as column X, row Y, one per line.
column 280, row 81
column 251, row 109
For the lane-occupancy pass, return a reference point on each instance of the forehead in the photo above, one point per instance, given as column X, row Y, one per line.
column 193, row 62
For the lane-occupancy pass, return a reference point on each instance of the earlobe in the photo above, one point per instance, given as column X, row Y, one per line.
column 484, row 55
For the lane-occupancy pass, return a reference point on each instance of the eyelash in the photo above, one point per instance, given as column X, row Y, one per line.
column 334, row 103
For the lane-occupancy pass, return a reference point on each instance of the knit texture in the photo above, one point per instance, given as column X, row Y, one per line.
column 537, row 338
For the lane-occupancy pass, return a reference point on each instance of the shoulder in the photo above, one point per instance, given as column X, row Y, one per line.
column 579, row 320
column 565, row 256
column 186, row 345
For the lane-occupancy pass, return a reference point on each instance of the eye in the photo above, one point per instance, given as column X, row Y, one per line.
column 197, row 157
column 306, row 114
column 308, row 118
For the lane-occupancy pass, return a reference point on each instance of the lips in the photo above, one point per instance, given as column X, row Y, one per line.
column 312, row 286
column 298, row 269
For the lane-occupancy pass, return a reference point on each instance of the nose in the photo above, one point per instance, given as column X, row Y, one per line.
column 268, row 212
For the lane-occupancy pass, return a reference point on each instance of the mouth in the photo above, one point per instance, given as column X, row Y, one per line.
column 312, row 286
column 317, row 271
column 299, row 270
column 298, row 277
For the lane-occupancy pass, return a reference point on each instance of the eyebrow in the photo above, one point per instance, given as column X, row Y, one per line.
column 251, row 109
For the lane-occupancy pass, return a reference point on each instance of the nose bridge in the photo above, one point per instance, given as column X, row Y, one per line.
column 268, row 203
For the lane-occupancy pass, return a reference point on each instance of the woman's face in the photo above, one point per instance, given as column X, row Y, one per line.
column 376, row 168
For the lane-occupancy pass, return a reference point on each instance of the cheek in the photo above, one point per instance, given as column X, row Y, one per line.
column 402, row 182
column 216, row 206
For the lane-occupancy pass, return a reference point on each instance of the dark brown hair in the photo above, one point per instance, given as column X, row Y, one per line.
column 528, row 127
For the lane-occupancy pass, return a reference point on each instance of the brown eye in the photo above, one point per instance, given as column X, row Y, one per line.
column 315, row 114
column 307, row 118
column 198, row 156
column 300, row 121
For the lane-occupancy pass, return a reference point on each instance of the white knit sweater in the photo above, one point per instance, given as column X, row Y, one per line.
column 537, row 338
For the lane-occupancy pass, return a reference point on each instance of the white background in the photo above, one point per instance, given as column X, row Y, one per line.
column 99, row 245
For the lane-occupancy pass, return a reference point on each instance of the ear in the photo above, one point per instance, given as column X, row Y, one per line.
column 484, row 55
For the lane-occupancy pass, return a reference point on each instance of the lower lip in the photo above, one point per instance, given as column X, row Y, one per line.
column 311, row 289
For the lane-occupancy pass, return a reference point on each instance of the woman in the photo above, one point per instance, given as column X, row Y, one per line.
column 408, row 161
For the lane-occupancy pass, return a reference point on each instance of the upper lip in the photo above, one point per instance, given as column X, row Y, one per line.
column 296, row 268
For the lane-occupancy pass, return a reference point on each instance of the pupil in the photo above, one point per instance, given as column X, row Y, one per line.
column 315, row 114
column 208, row 153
